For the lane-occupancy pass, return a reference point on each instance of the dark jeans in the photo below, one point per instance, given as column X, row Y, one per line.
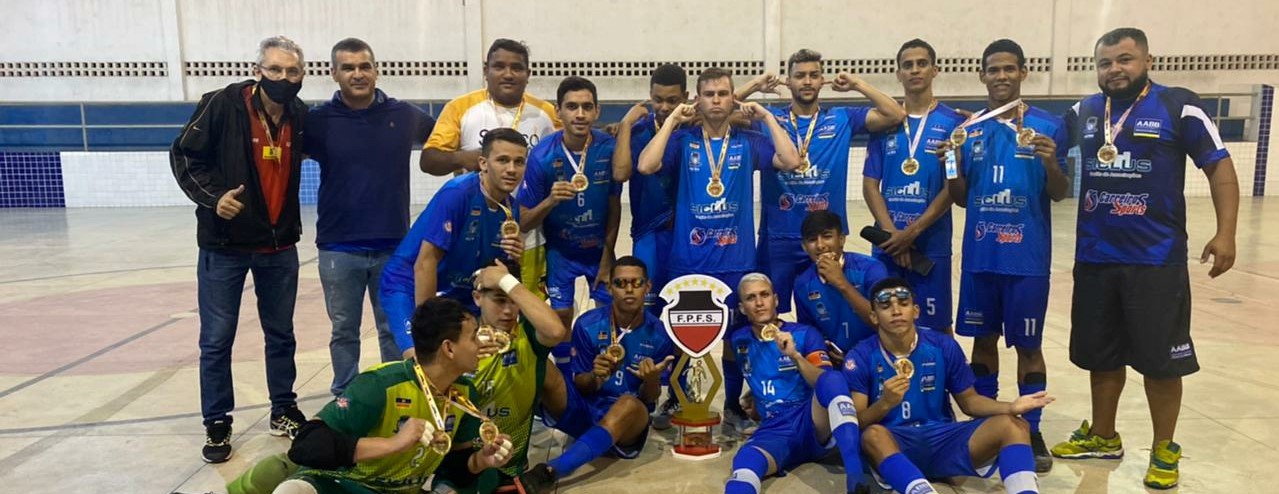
column 221, row 276
column 346, row 277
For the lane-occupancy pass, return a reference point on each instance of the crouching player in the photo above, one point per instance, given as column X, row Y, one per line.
column 804, row 404
column 399, row 422
column 900, row 378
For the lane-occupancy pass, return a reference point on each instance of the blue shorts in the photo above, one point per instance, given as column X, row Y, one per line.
column 580, row 415
column 790, row 438
column 654, row 248
column 941, row 450
column 932, row 292
column 782, row 259
column 561, row 279
column 399, row 307
column 993, row 304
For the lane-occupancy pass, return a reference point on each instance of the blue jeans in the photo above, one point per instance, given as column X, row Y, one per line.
column 221, row 274
column 345, row 277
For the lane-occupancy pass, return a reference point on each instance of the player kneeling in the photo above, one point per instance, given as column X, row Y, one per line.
column 899, row 380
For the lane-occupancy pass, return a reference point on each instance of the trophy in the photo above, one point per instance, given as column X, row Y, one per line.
column 696, row 318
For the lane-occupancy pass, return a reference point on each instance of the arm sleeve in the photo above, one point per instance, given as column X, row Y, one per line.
column 674, row 152
column 875, row 272
column 444, row 219
column 1061, row 137
column 584, row 351
column 193, row 155
column 959, row 376
column 874, row 166
column 856, row 117
column 1199, row 137
column 446, row 134
column 425, row 125
column 535, row 187
column 1071, row 121
column 313, row 138
column 813, row 347
column 857, row 373
column 763, row 150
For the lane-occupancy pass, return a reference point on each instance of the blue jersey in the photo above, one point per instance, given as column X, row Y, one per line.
column 460, row 222
column 1008, row 228
column 576, row 227
column 774, row 378
column 652, row 196
column 715, row 235
column 822, row 306
column 938, row 360
column 908, row 195
column 591, row 336
column 1133, row 211
column 787, row 197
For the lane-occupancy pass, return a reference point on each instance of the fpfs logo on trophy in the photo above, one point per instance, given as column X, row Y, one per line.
column 696, row 318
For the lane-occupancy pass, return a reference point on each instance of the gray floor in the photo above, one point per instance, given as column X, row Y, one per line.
column 98, row 383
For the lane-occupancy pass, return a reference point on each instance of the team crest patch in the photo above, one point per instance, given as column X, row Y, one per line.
column 448, row 226
column 849, row 364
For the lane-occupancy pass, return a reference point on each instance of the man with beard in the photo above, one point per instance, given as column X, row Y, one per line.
column 1009, row 170
column 823, row 137
column 236, row 160
column 1131, row 302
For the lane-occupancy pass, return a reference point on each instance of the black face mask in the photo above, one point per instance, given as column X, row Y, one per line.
column 1129, row 92
column 282, row 91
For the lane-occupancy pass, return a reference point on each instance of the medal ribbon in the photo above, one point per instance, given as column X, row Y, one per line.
column 807, row 140
column 519, row 111
column 505, row 208
column 913, row 144
column 425, row 382
column 889, row 358
column 717, row 166
column 572, row 161
column 983, row 115
column 1113, row 131
column 275, row 154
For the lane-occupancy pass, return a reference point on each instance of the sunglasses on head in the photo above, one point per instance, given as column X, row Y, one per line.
column 901, row 293
column 631, row 283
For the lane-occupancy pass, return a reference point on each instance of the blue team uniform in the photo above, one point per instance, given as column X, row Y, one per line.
column 782, row 396
column 459, row 221
column 922, row 424
column 1007, row 231
column 575, row 229
column 652, row 210
column 908, row 196
column 713, row 236
column 822, row 306
column 787, row 197
column 591, row 336
column 1133, row 211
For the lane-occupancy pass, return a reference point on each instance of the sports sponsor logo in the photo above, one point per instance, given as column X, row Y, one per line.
column 1003, row 198
column 1147, row 127
column 846, row 409
column 1181, row 351
column 1123, row 166
column 722, row 206
column 902, row 218
column 811, row 202
column 1004, row 233
column 911, row 192
column 1121, row 204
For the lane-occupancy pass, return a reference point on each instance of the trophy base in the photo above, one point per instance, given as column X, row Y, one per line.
column 696, row 441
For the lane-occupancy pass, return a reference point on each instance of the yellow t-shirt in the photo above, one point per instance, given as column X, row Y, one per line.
column 463, row 121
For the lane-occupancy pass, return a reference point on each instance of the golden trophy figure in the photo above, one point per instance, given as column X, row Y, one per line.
column 696, row 318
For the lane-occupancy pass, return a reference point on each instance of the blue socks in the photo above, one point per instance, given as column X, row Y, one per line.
column 900, row 473
column 749, row 466
column 1035, row 382
column 1017, row 468
column 832, row 392
column 987, row 383
column 733, row 381
column 590, row 446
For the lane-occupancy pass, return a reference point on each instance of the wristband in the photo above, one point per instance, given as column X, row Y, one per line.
column 508, row 283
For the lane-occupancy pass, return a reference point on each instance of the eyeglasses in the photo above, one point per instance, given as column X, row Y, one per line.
column 278, row 72
column 900, row 293
column 631, row 283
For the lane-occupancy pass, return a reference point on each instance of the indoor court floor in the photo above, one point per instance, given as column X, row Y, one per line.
column 99, row 388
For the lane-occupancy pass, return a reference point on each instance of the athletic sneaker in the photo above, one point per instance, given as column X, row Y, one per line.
column 217, row 442
column 286, row 422
column 662, row 419
column 1162, row 472
column 735, row 420
column 537, row 480
column 1083, row 444
column 1043, row 460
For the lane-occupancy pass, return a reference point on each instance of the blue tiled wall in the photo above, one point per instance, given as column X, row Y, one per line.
column 31, row 180
column 308, row 190
column 1263, row 140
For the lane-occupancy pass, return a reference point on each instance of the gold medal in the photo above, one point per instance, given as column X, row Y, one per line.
column 441, row 442
column 503, row 340
column 804, row 165
column 1025, row 136
column 484, row 334
column 1107, row 153
column 715, row 188
column 616, row 352
column 958, row 137
column 910, row 166
column 768, row 332
column 489, row 432
column 904, row 367
column 510, row 228
column 580, row 182
column 802, row 143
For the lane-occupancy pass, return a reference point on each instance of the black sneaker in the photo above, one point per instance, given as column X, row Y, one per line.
column 1043, row 460
column 287, row 422
column 217, row 442
column 662, row 419
column 537, row 480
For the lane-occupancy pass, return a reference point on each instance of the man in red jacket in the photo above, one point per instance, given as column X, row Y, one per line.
column 239, row 160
